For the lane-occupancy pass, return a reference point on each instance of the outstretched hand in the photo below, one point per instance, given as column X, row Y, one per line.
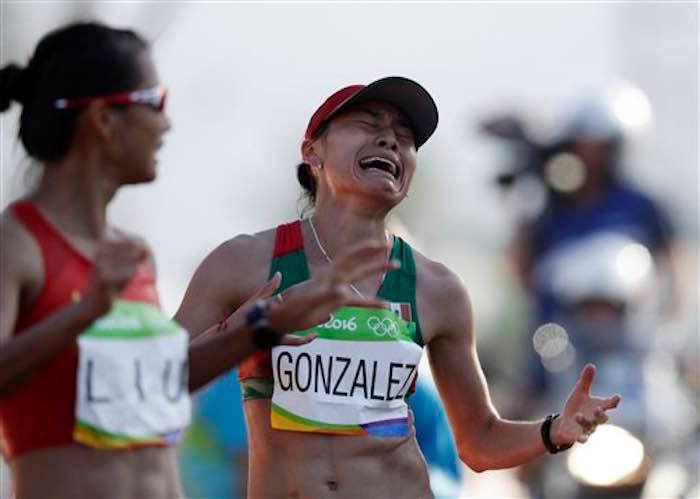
column 582, row 412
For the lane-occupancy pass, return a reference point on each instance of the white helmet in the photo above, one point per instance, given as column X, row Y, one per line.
column 590, row 118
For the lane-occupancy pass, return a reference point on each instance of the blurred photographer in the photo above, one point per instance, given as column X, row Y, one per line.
column 594, row 255
column 577, row 179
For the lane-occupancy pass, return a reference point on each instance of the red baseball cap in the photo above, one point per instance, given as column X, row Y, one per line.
column 409, row 97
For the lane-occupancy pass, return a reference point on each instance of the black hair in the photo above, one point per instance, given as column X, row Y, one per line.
column 79, row 60
column 304, row 175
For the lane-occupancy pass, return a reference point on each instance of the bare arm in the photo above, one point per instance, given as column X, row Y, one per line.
column 20, row 356
column 485, row 440
column 218, row 288
column 223, row 345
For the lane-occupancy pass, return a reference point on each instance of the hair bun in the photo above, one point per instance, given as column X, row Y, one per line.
column 12, row 85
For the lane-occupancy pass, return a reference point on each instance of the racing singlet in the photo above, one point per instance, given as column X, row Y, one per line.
column 352, row 379
column 92, row 391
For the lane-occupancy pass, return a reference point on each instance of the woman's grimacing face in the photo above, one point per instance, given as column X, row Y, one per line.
column 368, row 150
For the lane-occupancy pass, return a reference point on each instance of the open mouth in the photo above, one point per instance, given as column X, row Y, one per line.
column 382, row 164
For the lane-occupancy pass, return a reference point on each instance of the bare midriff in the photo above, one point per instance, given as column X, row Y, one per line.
column 289, row 464
column 79, row 472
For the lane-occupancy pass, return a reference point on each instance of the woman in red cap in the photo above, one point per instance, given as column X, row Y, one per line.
column 329, row 418
column 93, row 377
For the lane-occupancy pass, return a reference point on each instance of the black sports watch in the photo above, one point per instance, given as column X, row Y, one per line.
column 547, row 439
column 264, row 336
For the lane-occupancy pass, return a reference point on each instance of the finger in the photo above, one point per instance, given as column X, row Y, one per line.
column 586, row 379
column 584, row 423
column 369, row 268
column 582, row 439
column 600, row 416
column 269, row 287
column 611, row 403
column 293, row 340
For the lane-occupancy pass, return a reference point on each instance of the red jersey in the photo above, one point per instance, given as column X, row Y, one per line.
column 39, row 413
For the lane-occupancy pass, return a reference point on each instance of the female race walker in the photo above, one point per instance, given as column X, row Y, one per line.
column 94, row 414
column 329, row 419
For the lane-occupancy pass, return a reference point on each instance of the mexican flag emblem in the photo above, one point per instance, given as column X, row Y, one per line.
column 402, row 310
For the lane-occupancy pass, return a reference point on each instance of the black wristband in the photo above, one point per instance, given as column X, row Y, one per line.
column 546, row 438
column 264, row 336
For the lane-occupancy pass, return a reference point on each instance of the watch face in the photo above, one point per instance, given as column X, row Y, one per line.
column 256, row 313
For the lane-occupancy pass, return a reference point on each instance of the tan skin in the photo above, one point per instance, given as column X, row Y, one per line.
column 110, row 148
column 292, row 464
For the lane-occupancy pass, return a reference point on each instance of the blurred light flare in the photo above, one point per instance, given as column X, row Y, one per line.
column 561, row 362
column 565, row 172
column 631, row 107
column 551, row 342
column 610, row 455
column 633, row 264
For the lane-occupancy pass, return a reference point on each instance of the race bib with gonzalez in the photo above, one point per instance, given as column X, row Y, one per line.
column 351, row 380
column 132, row 385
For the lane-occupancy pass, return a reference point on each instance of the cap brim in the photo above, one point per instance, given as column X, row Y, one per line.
column 409, row 97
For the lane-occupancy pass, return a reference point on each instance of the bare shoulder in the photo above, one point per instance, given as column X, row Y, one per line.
column 243, row 256
column 241, row 263
column 226, row 278
column 436, row 282
column 19, row 252
column 443, row 302
column 21, row 271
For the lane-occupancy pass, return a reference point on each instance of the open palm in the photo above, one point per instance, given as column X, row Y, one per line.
column 582, row 412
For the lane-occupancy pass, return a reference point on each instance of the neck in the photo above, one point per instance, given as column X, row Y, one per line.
column 340, row 227
column 75, row 193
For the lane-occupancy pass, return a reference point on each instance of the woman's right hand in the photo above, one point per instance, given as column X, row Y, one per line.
column 310, row 302
column 115, row 264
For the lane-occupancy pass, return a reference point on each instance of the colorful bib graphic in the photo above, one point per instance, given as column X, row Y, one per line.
column 132, row 379
column 351, row 380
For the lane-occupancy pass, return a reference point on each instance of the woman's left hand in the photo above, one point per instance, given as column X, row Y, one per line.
column 582, row 412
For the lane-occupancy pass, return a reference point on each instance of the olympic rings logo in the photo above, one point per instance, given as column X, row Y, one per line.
column 382, row 327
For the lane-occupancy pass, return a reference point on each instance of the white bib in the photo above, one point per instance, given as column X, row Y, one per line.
column 351, row 380
column 132, row 385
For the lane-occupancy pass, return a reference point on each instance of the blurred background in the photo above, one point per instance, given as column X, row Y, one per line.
column 535, row 100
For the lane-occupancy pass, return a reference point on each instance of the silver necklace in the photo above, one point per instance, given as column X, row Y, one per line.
column 330, row 260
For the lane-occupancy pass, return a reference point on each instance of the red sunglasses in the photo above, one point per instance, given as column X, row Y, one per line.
column 153, row 97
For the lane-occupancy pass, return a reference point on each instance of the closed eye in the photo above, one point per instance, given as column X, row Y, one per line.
column 367, row 123
column 405, row 135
